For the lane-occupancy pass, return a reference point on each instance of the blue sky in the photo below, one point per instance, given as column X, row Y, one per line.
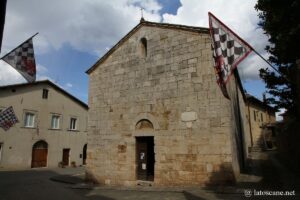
column 73, row 35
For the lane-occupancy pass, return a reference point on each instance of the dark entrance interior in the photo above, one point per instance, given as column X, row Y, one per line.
column 84, row 154
column 65, row 158
column 0, row 151
column 145, row 158
column 39, row 154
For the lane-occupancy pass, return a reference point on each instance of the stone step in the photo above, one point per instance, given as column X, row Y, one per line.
column 145, row 183
column 256, row 149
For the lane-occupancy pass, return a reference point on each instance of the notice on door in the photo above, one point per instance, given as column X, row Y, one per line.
column 144, row 166
column 142, row 155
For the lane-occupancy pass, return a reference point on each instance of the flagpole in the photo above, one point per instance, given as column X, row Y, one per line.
column 19, row 45
column 283, row 76
column 264, row 59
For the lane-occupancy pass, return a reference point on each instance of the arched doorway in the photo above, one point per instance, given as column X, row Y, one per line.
column 84, row 154
column 145, row 156
column 39, row 154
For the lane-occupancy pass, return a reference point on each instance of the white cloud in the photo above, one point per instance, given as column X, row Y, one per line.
column 87, row 25
column 68, row 85
column 42, row 73
column 150, row 6
column 249, row 68
column 41, row 69
column 240, row 16
column 9, row 75
column 95, row 25
column 44, row 77
column 278, row 114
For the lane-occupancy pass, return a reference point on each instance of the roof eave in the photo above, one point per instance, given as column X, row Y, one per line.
column 51, row 84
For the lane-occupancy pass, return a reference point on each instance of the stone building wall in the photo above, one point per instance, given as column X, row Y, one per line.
column 172, row 85
column 258, row 116
column 239, row 124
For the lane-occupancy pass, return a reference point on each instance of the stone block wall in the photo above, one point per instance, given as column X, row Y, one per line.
column 174, row 87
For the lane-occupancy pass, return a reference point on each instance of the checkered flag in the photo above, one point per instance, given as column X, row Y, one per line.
column 228, row 50
column 8, row 118
column 22, row 59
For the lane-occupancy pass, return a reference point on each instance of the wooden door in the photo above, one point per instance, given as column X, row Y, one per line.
column 39, row 154
column 65, row 158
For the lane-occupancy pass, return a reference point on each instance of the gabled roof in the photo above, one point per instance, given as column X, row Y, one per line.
column 84, row 105
column 149, row 24
column 159, row 25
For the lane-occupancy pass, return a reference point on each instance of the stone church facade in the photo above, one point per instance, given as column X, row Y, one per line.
column 156, row 113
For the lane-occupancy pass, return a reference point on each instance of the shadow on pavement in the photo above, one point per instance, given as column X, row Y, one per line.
column 190, row 196
column 264, row 173
column 33, row 184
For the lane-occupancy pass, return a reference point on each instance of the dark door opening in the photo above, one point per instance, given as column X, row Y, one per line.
column 84, row 154
column 145, row 158
column 1, row 151
column 65, row 158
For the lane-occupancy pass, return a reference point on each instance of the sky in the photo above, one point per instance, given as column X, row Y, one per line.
column 74, row 34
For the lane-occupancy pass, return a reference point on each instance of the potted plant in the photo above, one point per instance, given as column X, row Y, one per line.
column 73, row 164
column 61, row 164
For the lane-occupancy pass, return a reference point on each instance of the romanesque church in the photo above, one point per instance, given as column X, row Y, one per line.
column 157, row 115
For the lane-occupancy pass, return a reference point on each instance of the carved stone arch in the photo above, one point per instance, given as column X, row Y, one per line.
column 41, row 144
column 146, row 118
column 144, row 124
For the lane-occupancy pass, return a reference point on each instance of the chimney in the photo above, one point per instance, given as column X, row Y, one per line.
column 264, row 98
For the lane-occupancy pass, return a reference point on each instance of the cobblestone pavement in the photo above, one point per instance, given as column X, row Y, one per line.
column 265, row 173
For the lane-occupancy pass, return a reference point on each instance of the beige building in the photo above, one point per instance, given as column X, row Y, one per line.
column 52, row 126
column 261, row 119
column 156, row 114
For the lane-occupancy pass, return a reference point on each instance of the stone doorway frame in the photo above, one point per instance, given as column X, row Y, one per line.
column 145, row 133
column 145, row 170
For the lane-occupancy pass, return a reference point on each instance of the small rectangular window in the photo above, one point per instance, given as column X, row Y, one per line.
column 254, row 115
column 261, row 116
column 73, row 123
column 29, row 119
column 55, row 121
column 45, row 94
